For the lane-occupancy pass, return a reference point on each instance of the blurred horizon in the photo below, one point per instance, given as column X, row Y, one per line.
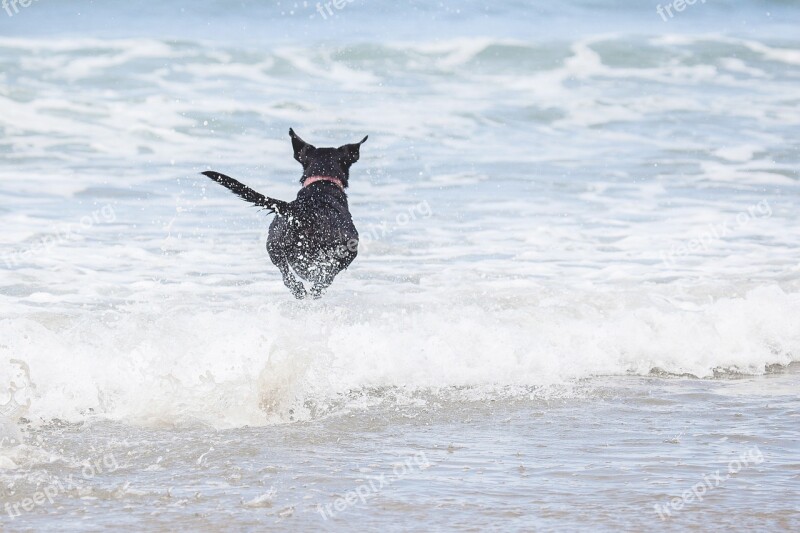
column 382, row 20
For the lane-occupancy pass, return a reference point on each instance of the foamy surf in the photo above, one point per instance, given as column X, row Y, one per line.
column 272, row 364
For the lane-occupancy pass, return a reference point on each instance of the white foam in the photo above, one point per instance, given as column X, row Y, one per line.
column 254, row 366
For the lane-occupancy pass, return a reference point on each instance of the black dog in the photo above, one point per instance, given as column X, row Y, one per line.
column 314, row 234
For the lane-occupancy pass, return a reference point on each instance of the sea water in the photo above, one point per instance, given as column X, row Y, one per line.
column 576, row 304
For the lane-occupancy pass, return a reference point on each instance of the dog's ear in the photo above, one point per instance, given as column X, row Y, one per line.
column 352, row 152
column 301, row 148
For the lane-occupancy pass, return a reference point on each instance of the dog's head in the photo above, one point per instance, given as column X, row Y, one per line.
column 327, row 162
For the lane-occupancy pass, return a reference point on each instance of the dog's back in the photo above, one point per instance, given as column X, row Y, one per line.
column 319, row 239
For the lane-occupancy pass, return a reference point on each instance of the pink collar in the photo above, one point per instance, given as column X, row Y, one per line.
column 313, row 179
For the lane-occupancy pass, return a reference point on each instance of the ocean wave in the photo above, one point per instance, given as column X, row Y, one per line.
column 276, row 364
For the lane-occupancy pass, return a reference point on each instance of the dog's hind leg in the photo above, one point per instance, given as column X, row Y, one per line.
column 297, row 288
column 344, row 256
column 322, row 283
column 279, row 260
column 319, row 288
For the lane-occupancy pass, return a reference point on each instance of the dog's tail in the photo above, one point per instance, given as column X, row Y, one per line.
column 249, row 195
